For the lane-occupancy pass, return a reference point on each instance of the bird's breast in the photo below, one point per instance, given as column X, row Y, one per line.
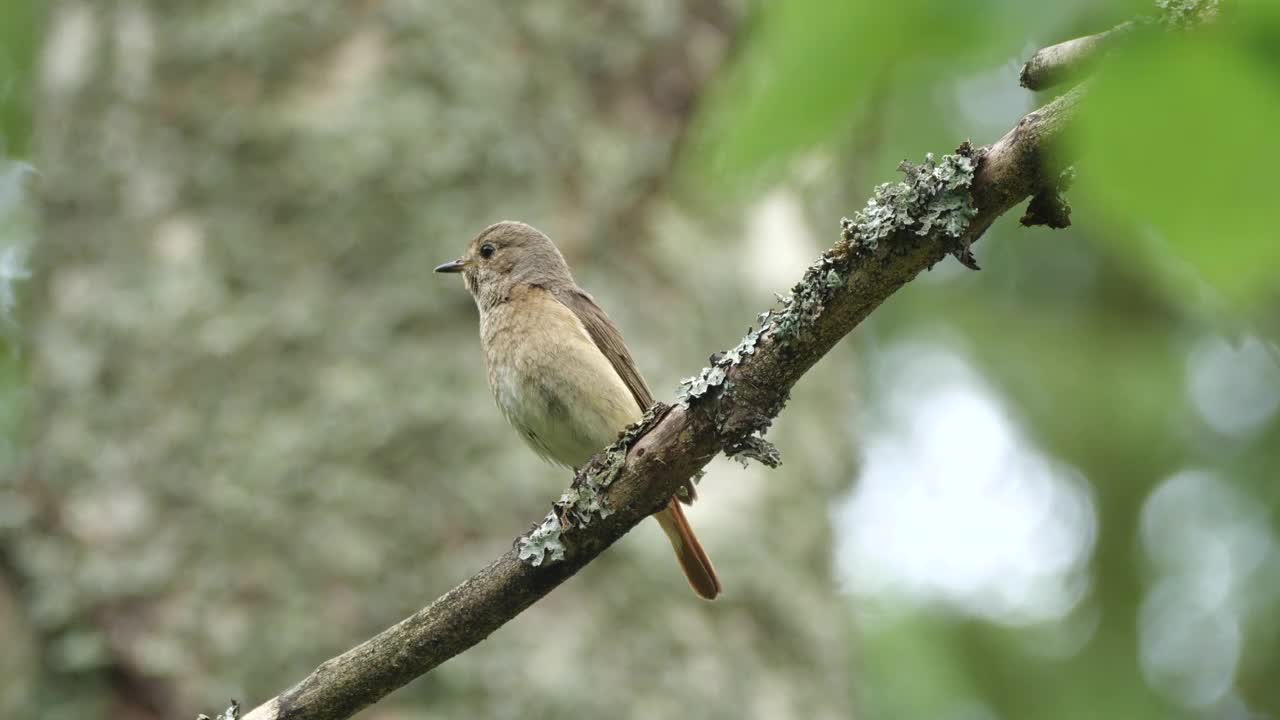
column 550, row 380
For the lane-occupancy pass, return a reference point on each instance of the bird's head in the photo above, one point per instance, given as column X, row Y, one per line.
column 505, row 255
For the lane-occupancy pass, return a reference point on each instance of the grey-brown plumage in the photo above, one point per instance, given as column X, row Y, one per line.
column 558, row 366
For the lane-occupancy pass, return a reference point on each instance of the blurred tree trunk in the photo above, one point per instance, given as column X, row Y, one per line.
column 259, row 416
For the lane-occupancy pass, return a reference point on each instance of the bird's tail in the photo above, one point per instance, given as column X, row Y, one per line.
column 693, row 559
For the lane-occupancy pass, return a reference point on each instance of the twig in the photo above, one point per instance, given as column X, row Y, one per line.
column 1069, row 60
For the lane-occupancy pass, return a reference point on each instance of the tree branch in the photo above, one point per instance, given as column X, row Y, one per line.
column 1068, row 60
column 941, row 209
column 1071, row 60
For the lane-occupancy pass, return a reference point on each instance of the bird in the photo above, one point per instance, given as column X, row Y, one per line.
column 558, row 367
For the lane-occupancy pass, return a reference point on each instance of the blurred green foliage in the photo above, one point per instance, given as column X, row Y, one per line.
column 19, row 37
column 1175, row 140
column 811, row 69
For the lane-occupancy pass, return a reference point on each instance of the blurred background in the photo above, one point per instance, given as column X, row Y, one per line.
column 243, row 427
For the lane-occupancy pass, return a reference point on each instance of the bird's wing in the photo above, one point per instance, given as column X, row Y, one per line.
column 608, row 339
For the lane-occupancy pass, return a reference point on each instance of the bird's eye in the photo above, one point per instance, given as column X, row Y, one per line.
column 486, row 250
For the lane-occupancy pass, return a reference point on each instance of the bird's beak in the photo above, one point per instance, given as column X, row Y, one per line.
column 453, row 266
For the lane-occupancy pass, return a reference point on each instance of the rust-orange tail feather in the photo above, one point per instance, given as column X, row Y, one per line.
column 693, row 559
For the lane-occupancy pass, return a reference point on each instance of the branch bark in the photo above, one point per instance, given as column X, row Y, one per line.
column 653, row 460
column 1068, row 60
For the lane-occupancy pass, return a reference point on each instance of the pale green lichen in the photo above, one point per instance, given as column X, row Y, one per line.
column 1186, row 13
column 231, row 713
column 717, row 373
column 799, row 308
column 716, row 376
column 584, row 498
column 754, row 447
column 543, row 543
column 807, row 299
column 584, row 501
column 933, row 197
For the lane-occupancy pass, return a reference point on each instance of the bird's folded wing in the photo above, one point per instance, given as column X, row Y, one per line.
column 608, row 339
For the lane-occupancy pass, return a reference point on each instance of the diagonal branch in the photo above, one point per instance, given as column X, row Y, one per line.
column 942, row 209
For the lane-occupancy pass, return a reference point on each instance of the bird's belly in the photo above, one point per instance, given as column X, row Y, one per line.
column 539, row 408
column 560, row 393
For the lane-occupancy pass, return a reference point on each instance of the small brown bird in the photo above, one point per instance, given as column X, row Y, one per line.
column 558, row 367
